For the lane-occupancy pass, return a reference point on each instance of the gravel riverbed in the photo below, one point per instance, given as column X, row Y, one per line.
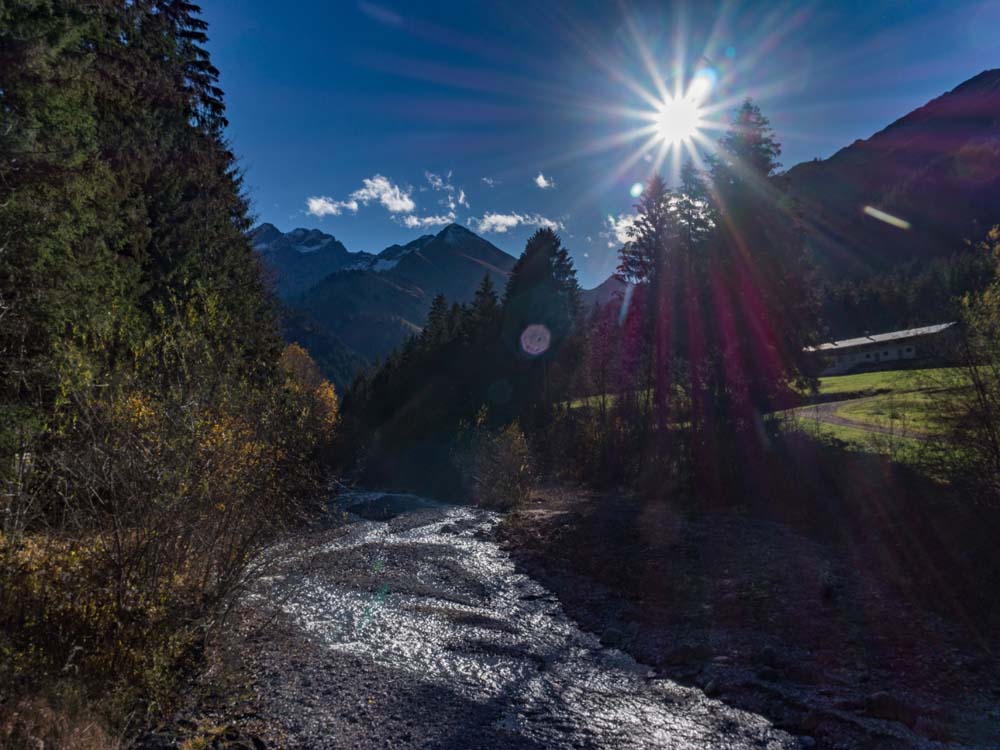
column 409, row 627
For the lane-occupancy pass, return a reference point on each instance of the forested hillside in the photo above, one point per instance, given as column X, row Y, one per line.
column 153, row 433
column 936, row 170
column 912, row 294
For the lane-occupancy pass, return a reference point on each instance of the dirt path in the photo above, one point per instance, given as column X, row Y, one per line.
column 826, row 413
column 411, row 628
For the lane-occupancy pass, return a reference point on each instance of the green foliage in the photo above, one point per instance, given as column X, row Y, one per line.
column 975, row 411
column 911, row 295
column 888, row 381
column 713, row 332
column 748, row 149
column 150, row 443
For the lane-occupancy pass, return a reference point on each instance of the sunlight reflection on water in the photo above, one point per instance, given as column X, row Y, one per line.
column 428, row 593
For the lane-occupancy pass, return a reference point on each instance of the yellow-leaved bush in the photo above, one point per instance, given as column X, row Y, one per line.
column 151, row 500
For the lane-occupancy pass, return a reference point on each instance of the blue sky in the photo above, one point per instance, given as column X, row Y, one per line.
column 395, row 117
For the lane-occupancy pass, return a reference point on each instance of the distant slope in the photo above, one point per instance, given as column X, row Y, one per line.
column 937, row 168
column 453, row 263
column 375, row 309
column 370, row 311
column 338, row 361
column 603, row 293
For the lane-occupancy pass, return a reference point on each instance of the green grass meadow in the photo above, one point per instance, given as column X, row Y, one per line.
column 910, row 407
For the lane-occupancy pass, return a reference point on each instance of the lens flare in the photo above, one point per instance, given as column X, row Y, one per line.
column 888, row 218
column 636, row 190
column 702, row 84
column 535, row 340
column 679, row 120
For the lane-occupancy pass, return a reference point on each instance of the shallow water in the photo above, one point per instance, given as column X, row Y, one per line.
column 422, row 589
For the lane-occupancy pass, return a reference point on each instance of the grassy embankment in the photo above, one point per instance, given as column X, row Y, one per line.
column 902, row 407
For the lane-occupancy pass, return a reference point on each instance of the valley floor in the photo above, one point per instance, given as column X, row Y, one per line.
column 589, row 621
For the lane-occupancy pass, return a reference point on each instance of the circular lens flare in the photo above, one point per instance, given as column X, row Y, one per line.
column 636, row 190
column 679, row 120
column 535, row 340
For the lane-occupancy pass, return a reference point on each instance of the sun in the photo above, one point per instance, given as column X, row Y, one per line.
column 679, row 120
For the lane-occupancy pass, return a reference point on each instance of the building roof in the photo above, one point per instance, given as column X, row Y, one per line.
column 879, row 338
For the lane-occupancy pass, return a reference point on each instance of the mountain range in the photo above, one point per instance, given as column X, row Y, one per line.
column 297, row 260
column 357, row 307
column 914, row 191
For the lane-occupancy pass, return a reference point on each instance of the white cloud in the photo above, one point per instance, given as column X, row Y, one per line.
column 545, row 183
column 415, row 222
column 617, row 229
column 435, row 181
column 452, row 197
column 394, row 198
column 502, row 223
column 489, row 182
column 321, row 205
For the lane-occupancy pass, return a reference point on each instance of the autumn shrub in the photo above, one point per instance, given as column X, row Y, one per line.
column 151, row 444
column 61, row 721
column 496, row 463
column 153, row 504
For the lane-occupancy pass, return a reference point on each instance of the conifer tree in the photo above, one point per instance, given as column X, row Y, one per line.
column 540, row 310
column 642, row 257
column 646, row 260
column 139, row 356
column 485, row 304
column 542, row 289
column 435, row 330
column 766, row 296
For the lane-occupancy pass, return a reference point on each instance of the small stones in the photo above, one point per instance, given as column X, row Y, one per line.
column 768, row 656
column 613, row 638
column 812, row 721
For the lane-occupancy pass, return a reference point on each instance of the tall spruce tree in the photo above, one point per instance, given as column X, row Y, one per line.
column 484, row 310
column 766, row 303
column 542, row 289
column 724, row 289
column 540, row 310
